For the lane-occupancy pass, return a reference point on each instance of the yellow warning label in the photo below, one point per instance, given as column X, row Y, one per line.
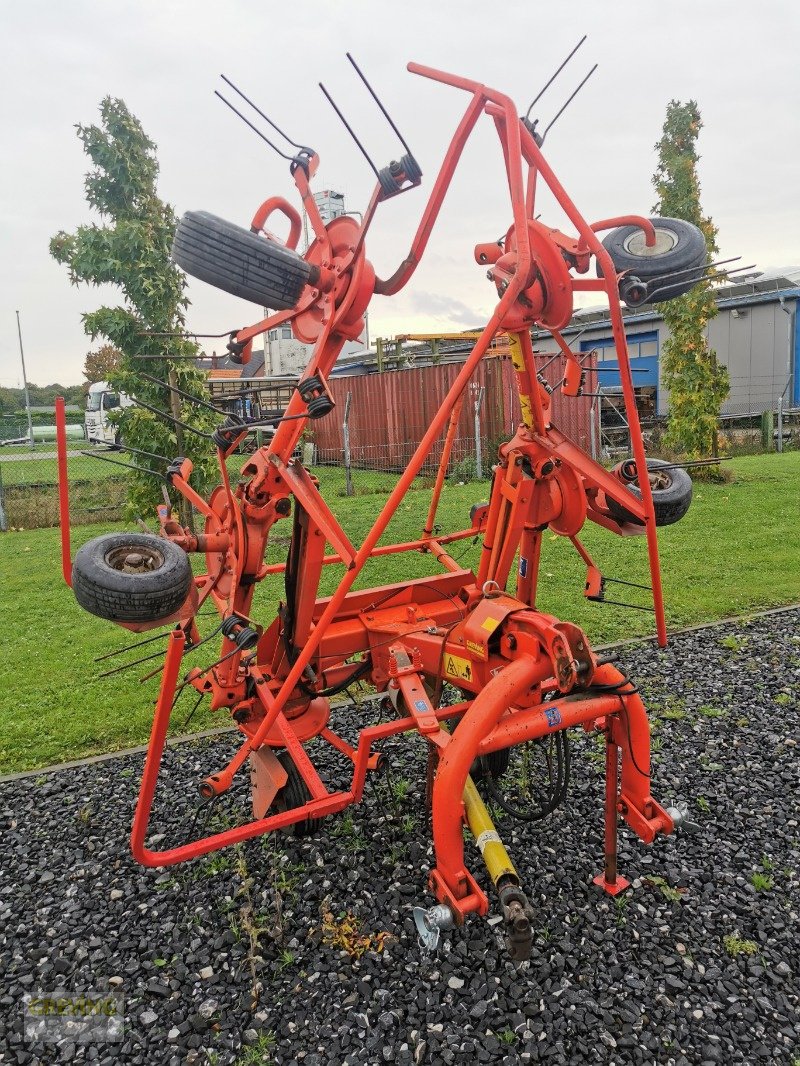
column 490, row 623
column 525, row 407
column 455, row 666
column 516, row 352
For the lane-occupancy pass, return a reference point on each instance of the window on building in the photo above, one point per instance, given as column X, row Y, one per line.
column 286, row 333
column 640, row 346
column 273, row 335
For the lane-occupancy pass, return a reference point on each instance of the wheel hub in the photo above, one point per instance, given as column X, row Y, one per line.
column 665, row 242
column 659, row 479
column 141, row 561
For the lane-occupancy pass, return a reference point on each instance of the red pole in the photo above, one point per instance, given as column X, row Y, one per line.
column 63, row 489
column 442, row 471
column 158, row 735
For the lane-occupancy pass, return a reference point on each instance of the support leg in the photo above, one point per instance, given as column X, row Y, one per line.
column 609, row 880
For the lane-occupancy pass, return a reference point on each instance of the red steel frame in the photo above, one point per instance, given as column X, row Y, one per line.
column 456, row 626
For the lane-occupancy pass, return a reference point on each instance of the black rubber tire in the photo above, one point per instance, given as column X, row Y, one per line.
column 672, row 495
column 238, row 261
column 679, row 246
column 294, row 794
column 106, row 591
column 493, row 765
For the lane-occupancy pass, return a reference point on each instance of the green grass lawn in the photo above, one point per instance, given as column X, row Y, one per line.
column 737, row 550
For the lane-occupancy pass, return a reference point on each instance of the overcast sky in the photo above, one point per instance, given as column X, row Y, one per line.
column 59, row 59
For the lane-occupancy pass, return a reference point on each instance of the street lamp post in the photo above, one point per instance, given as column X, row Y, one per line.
column 25, row 384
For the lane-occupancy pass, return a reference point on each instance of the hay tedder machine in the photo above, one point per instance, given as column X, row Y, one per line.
column 522, row 679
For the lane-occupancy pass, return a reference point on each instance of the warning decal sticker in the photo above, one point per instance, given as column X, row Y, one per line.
column 455, row 666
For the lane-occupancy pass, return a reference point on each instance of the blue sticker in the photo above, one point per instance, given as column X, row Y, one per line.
column 523, row 566
column 553, row 716
column 421, row 705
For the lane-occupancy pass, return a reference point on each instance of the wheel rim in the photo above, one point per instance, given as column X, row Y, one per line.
column 659, row 479
column 134, row 559
column 635, row 244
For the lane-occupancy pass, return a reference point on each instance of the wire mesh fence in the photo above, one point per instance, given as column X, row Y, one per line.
column 376, row 468
column 98, row 487
column 356, row 460
column 29, row 488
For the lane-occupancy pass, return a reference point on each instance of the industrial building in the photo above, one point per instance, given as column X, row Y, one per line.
column 754, row 335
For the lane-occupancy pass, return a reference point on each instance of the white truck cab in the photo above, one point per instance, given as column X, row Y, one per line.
column 101, row 401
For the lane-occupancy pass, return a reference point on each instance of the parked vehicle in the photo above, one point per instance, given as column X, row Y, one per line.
column 101, row 402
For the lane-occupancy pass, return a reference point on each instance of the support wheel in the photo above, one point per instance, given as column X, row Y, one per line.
column 671, row 489
column 131, row 577
column 295, row 794
column 238, row 261
column 680, row 249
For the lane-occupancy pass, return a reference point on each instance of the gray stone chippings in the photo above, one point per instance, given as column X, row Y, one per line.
column 696, row 965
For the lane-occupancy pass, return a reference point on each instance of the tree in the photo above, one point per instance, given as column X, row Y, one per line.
column 697, row 383
column 131, row 249
column 101, row 363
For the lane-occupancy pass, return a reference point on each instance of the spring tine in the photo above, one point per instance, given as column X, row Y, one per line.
column 191, row 713
column 696, row 462
column 568, row 102
column 711, row 266
column 258, row 111
column 184, row 335
column 572, row 341
column 347, row 126
column 374, row 96
column 123, row 447
column 547, row 85
column 614, row 370
column 736, row 270
column 172, row 358
column 619, row 603
column 130, row 647
column 632, row 584
column 170, row 418
column 180, row 392
column 136, row 662
column 705, row 276
column 255, row 129
column 119, row 462
column 707, row 267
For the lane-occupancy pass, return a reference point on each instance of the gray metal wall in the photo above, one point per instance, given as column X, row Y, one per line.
column 754, row 345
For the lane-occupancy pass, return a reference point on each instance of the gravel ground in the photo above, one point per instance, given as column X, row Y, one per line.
column 230, row 959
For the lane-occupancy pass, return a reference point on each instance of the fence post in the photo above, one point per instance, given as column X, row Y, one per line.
column 766, row 431
column 780, row 423
column 3, row 524
column 348, row 477
column 478, row 452
column 593, row 429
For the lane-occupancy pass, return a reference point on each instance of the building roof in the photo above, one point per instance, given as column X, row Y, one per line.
column 219, row 373
column 221, row 367
column 759, row 286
